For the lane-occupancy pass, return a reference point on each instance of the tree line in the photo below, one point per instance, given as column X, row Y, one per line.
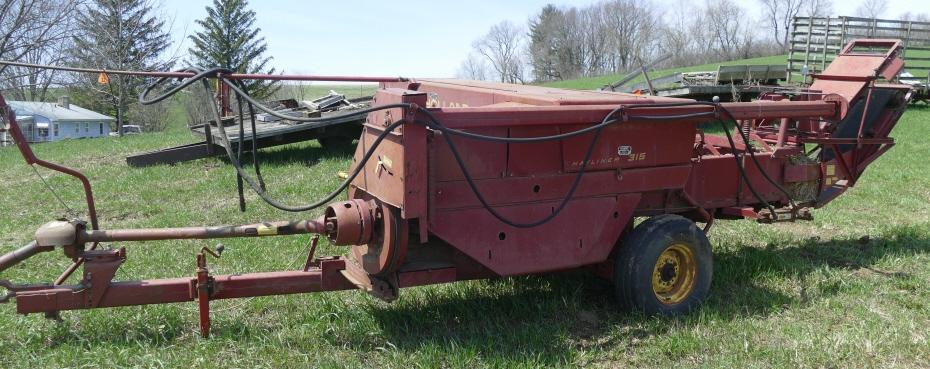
column 120, row 35
column 617, row 36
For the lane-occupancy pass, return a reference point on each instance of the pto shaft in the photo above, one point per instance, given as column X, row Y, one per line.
column 20, row 254
column 155, row 234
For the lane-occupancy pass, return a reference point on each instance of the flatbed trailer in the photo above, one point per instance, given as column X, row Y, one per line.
column 335, row 134
column 458, row 180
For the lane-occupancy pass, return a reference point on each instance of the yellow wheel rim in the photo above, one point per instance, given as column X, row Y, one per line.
column 674, row 273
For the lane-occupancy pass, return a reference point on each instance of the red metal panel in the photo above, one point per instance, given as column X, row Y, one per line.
column 855, row 64
column 715, row 180
column 397, row 172
column 534, row 159
column 425, row 277
column 483, row 159
column 632, row 145
column 583, row 233
column 266, row 284
column 459, row 93
column 160, row 291
column 453, row 195
column 163, row 291
column 510, row 116
column 801, row 172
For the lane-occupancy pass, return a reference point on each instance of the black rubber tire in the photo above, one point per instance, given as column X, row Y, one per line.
column 636, row 259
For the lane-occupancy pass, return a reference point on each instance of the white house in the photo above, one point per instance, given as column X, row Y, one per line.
column 43, row 121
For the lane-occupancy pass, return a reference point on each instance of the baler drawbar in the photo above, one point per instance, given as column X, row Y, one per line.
column 456, row 180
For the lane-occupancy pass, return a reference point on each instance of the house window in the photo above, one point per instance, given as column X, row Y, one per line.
column 77, row 127
column 86, row 127
column 101, row 128
column 55, row 132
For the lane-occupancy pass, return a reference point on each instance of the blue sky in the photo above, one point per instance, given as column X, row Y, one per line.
column 395, row 38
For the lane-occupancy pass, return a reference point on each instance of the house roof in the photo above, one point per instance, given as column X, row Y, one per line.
column 54, row 112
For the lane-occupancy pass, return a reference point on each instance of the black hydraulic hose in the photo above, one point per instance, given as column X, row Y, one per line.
column 742, row 169
column 745, row 136
column 547, row 218
column 218, row 73
column 239, row 188
column 328, row 119
column 434, row 123
column 255, row 164
column 437, row 125
column 325, row 200
column 667, row 117
column 201, row 74
column 752, row 156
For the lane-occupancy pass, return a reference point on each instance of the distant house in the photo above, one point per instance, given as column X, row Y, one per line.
column 43, row 121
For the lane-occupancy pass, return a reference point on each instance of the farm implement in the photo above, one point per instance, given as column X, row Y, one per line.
column 458, row 180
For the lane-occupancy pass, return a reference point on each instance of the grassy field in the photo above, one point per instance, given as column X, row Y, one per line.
column 812, row 294
column 590, row 83
column 313, row 91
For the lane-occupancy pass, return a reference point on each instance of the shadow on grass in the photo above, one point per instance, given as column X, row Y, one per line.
column 548, row 317
column 538, row 318
column 551, row 319
column 737, row 287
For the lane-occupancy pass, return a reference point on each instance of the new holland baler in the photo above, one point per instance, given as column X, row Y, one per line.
column 457, row 180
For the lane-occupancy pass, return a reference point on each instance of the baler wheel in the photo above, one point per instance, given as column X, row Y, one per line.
column 664, row 267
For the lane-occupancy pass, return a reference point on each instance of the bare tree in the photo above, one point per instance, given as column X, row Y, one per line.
column 473, row 67
column 725, row 23
column 572, row 52
column 677, row 39
column 780, row 14
column 614, row 36
column 630, row 27
column 35, row 32
column 914, row 17
column 502, row 46
column 817, row 8
column 872, row 8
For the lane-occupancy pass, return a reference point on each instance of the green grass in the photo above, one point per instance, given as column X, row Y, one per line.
column 313, row 91
column 590, row 83
column 808, row 294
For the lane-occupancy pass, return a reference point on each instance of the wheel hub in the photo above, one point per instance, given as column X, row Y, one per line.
column 674, row 274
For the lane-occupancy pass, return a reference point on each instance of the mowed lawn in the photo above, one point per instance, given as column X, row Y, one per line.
column 849, row 289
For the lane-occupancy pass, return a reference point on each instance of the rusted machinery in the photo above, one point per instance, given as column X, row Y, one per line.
column 457, row 180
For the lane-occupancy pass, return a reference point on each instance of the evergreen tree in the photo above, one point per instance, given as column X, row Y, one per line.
column 544, row 44
column 229, row 39
column 117, row 35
